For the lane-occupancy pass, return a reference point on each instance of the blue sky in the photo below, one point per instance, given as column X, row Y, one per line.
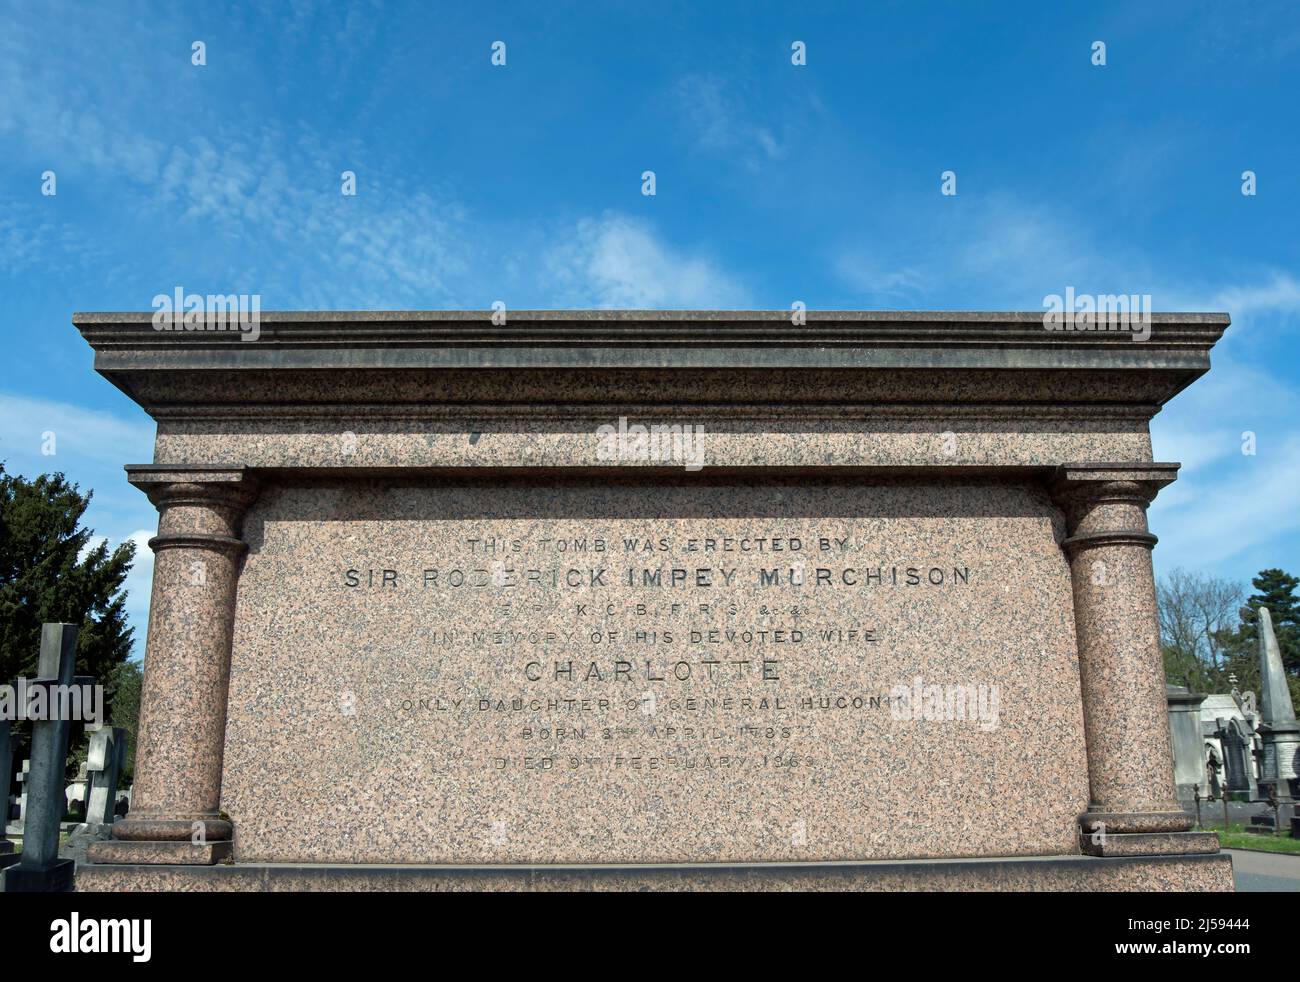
column 775, row 183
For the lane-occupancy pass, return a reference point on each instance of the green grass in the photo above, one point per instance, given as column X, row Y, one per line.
column 17, row 840
column 1237, row 838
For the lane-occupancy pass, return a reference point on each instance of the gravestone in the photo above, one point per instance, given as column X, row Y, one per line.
column 105, row 760
column 77, row 793
column 40, row 867
column 1237, row 760
column 1279, row 731
column 637, row 599
column 6, row 779
column 1212, row 767
column 23, row 774
column 1185, row 735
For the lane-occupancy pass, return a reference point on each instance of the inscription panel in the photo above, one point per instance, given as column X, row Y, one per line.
column 653, row 674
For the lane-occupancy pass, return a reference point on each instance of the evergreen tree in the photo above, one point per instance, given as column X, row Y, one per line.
column 124, row 695
column 51, row 570
column 1275, row 589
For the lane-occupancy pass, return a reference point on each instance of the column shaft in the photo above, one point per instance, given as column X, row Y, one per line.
column 1121, row 671
column 198, row 550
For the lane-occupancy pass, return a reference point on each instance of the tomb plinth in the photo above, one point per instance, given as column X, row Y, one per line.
column 688, row 600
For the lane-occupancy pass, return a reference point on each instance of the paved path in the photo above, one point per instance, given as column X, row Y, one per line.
column 1265, row 871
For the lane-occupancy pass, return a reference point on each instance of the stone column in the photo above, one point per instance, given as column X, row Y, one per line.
column 1134, row 807
column 175, row 812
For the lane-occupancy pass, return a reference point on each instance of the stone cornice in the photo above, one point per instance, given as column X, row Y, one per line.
column 638, row 328
column 719, row 360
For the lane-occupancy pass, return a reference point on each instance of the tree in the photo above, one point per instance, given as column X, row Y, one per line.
column 1196, row 614
column 51, row 570
column 124, row 685
column 1275, row 590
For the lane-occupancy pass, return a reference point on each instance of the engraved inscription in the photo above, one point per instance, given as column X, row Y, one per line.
column 652, row 674
column 720, row 655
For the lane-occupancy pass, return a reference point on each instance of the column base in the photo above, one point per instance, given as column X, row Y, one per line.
column 1191, row 873
column 1128, row 823
column 157, row 853
column 55, row 878
column 1151, row 844
column 143, row 829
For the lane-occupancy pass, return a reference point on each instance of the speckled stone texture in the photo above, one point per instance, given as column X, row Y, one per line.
column 169, row 853
column 1149, row 874
column 1122, row 670
column 381, row 735
column 1151, row 843
column 409, row 618
column 183, row 703
column 359, row 442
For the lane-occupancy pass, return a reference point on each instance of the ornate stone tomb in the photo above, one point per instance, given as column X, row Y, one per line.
column 597, row 598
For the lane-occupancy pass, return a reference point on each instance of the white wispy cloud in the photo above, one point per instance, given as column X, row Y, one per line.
column 1243, row 512
column 903, row 285
column 139, row 581
column 998, row 251
column 1277, row 293
column 31, row 427
column 616, row 261
column 257, row 208
column 1228, row 510
column 35, row 236
column 721, row 118
column 1205, row 422
column 90, row 448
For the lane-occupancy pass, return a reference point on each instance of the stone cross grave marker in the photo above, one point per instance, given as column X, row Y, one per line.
column 104, row 763
column 23, row 779
column 40, row 868
column 6, row 778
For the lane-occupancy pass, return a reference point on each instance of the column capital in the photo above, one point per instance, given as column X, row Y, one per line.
column 1105, row 504
column 199, row 507
column 1090, row 483
column 194, row 484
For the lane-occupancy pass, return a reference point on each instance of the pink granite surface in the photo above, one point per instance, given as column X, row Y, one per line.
column 1121, row 668
column 182, row 706
column 1153, row 874
column 847, row 437
column 374, row 723
column 355, row 733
